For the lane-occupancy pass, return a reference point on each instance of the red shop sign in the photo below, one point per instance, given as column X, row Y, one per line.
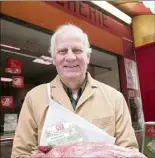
column 7, row 102
column 13, row 66
column 18, row 81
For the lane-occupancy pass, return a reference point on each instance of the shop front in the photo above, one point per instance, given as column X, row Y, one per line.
column 26, row 29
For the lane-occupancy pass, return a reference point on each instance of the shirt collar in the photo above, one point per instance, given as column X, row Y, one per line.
column 80, row 90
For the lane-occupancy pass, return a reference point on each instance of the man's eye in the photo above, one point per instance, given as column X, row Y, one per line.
column 77, row 51
column 63, row 51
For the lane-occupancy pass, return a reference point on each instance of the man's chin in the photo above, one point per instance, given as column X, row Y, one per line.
column 72, row 76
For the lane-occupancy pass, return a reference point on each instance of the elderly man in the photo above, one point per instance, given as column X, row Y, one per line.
column 76, row 90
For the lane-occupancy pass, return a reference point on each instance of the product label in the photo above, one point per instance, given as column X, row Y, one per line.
column 62, row 133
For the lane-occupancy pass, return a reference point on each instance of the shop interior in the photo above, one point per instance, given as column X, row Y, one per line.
column 31, row 46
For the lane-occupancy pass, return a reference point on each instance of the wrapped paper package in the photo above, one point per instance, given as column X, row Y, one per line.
column 62, row 126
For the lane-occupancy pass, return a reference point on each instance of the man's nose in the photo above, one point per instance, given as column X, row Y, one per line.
column 70, row 56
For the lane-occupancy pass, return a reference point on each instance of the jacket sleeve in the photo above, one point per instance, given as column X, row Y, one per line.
column 26, row 131
column 125, row 135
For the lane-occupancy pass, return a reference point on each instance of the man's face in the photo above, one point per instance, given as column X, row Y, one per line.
column 70, row 60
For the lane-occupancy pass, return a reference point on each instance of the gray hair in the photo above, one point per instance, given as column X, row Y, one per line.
column 66, row 28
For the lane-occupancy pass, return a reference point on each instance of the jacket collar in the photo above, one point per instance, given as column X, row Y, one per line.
column 58, row 93
column 92, row 82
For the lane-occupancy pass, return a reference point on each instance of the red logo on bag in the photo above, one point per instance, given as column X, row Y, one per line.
column 59, row 127
column 13, row 66
column 17, row 81
column 6, row 101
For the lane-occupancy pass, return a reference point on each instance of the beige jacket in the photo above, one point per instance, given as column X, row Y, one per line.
column 102, row 105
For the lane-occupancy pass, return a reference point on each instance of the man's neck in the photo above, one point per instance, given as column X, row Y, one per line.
column 74, row 85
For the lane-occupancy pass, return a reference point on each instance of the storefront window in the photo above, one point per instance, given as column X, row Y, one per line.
column 20, row 46
column 105, row 68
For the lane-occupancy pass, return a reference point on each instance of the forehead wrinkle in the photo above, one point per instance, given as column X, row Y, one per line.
column 64, row 41
column 70, row 35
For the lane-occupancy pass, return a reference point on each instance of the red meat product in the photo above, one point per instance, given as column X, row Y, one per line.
column 90, row 149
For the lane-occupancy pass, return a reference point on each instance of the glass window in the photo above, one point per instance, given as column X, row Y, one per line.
column 104, row 68
column 25, row 45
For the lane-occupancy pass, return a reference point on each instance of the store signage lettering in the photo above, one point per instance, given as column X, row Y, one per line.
column 148, row 39
column 95, row 17
column 84, row 10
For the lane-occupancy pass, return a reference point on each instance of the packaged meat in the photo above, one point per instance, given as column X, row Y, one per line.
column 89, row 149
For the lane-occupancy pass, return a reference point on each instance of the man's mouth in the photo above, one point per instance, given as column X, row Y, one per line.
column 71, row 66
